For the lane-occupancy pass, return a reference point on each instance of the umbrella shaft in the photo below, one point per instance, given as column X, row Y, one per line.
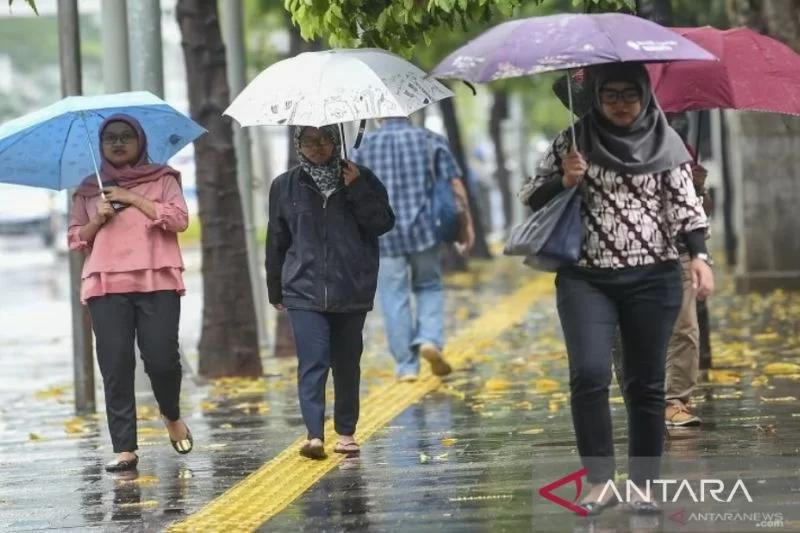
column 91, row 152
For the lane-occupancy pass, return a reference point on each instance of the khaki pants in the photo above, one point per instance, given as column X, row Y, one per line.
column 683, row 350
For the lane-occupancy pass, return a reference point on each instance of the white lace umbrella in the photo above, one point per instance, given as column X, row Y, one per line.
column 335, row 86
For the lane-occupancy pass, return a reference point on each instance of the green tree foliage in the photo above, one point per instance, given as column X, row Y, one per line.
column 398, row 25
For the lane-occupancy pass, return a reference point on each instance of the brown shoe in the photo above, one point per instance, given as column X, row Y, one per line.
column 680, row 416
column 433, row 355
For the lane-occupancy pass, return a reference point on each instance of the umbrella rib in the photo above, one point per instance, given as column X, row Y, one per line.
column 64, row 149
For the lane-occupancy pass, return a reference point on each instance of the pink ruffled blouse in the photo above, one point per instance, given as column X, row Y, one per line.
column 131, row 252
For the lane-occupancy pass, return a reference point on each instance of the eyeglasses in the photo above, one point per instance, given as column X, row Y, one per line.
column 611, row 96
column 125, row 138
column 316, row 143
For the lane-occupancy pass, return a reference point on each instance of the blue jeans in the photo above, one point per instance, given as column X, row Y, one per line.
column 328, row 341
column 420, row 274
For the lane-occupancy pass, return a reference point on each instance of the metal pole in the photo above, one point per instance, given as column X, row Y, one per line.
column 144, row 38
column 82, row 353
column 233, row 35
column 116, row 65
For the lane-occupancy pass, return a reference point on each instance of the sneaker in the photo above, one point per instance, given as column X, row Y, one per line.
column 679, row 415
column 407, row 378
column 433, row 355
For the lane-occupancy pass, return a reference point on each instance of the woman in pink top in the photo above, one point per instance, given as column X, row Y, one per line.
column 132, row 280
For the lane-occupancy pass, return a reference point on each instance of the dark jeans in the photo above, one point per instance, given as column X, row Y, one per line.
column 151, row 318
column 328, row 341
column 644, row 303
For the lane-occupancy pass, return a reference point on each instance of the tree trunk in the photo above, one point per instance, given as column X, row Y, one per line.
column 229, row 341
column 765, row 163
column 499, row 113
column 454, row 136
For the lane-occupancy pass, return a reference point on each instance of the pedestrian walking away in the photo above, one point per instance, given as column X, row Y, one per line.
column 638, row 200
column 132, row 280
column 409, row 160
column 325, row 216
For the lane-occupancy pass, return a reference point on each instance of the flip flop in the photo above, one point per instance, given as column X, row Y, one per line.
column 313, row 451
column 347, row 447
column 122, row 466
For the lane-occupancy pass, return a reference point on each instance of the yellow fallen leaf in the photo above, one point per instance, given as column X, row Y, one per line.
column 147, row 504
column 545, row 385
column 767, row 337
column 151, row 431
column 554, row 406
column 525, row 405
column 226, row 425
column 74, row 426
column 442, row 457
column 779, row 399
column 208, row 406
column 534, row 431
column 759, row 381
column 776, row 369
column 142, row 481
column 724, row 377
column 616, row 400
column 449, row 441
column 34, row 436
column 497, row 384
column 50, row 392
column 424, row 458
column 146, row 412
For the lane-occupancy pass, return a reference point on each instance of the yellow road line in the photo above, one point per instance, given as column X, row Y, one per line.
column 271, row 488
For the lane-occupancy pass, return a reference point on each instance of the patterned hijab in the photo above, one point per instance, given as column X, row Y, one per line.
column 328, row 177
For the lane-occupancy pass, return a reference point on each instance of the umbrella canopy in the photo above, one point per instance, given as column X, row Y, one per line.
column 542, row 44
column 754, row 72
column 57, row 146
column 335, row 86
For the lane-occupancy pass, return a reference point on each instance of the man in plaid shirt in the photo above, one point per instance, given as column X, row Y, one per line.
column 407, row 159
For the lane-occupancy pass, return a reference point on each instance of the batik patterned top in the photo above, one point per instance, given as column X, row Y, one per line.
column 628, row 220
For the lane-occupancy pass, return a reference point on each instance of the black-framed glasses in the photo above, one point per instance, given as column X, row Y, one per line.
column 612, row 96
column 125, row 138
column 321, row 142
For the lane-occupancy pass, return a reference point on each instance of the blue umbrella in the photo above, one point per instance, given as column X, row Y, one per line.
column 57, row 146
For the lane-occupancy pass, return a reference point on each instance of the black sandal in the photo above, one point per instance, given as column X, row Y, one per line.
column 595, row 508
column 123, row 466
column 642, row 507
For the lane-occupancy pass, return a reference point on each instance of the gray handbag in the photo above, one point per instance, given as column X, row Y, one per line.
column 552, row 236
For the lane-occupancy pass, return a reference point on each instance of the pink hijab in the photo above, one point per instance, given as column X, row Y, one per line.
column 127, row 176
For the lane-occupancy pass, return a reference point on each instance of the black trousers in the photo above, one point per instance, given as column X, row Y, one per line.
column 328, row 341
column 151, row 319
column 643, row 302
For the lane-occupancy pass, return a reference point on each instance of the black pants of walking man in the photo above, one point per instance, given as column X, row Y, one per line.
column 151, row 319
column 328, row 341
column 644, row 303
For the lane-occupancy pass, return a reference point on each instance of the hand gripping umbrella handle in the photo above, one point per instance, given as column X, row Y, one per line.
column 91, row 152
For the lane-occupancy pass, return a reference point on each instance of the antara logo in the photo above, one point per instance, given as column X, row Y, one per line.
column 704, row 490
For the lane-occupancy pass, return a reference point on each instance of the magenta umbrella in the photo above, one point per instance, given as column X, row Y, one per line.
column 754, row 72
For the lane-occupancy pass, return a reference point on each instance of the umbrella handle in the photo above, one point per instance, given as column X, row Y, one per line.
column 91, row 152
column 344, row 141
column 571, row 113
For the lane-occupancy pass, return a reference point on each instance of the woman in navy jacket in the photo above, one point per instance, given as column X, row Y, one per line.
column 325, row 216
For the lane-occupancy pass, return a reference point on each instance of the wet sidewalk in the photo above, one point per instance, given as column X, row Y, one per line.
column 460, row 455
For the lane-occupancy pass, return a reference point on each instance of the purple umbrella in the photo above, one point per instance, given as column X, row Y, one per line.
column 556, row 42
column 542, row 44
